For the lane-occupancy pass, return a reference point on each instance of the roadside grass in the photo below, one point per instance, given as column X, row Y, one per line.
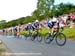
column 2, row 49
column 69, row 32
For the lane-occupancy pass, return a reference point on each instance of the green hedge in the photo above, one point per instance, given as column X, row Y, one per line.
column 69, row 32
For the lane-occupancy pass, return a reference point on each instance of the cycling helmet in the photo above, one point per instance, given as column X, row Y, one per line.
column 36, row 21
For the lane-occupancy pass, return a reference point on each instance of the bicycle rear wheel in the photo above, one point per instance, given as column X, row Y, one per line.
column 60, row 39
column 26, row 36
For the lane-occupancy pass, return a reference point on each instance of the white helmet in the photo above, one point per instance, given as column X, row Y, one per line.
column 54, row 20
column 29, row 23
column 36, row 21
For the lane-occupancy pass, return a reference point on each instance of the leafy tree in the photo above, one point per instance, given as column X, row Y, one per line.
column 2, row 21
column 43, row 8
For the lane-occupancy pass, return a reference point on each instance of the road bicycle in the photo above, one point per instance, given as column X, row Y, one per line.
column 36, row 35
column 28, row 34
column 59, row 37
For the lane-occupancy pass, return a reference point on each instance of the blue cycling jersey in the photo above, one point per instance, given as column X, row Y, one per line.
column 51, row 23
column 29, row 28
column 35, row 25
column 15, row 29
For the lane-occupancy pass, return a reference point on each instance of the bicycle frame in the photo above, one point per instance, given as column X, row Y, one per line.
column 57, row 31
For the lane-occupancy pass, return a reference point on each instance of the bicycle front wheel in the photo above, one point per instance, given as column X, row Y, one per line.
column 39, row 38
column 33, row 37
column 47, row 38
column 60, row 39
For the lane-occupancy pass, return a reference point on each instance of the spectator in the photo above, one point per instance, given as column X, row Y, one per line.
column 68, row 20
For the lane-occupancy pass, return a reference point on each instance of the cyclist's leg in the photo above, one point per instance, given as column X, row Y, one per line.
column 53, row 29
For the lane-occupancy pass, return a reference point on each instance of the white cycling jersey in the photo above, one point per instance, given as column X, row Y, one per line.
column 52, row 20
column 57, row 20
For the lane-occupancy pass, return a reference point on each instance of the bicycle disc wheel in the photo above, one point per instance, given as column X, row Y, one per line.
column 47, row 38
column 39, row 38
column 60, row 39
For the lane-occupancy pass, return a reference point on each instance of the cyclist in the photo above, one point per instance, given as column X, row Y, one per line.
column 53, row 25
column 19, row 31
column 3, row 31
column 28, row 28
column 15, row 30
column 68, row 21
column 37, row 25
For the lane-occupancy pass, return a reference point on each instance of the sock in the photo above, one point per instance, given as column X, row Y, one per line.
column 51, row 34
column 51, row 38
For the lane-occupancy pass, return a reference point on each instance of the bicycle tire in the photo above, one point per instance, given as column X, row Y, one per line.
column 59, row 36
column 26, row 36
column 47, row 38
column 33, row 37
column 39, row 38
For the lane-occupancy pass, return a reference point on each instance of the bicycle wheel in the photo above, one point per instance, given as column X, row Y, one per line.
column 0, row 41
column 60, row 39
column 47, row 38
column 26, row 36
column 39, row 38
column 33, row 37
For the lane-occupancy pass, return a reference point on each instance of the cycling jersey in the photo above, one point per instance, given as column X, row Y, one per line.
column 35, row 25
column 3, row 30
column 29, row 28
column 15, row 29
column 55, row 21
column 52, row 22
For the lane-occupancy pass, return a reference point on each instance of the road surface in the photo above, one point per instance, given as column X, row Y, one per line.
column 33, row 48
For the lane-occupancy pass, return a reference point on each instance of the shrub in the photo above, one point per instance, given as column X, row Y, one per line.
column 69, row 32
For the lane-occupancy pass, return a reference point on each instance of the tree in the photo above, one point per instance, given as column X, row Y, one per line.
column 65, row 8
column 43, row 8
column 2, row 21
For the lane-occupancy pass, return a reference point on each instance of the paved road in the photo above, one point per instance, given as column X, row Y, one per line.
column 40, row 49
